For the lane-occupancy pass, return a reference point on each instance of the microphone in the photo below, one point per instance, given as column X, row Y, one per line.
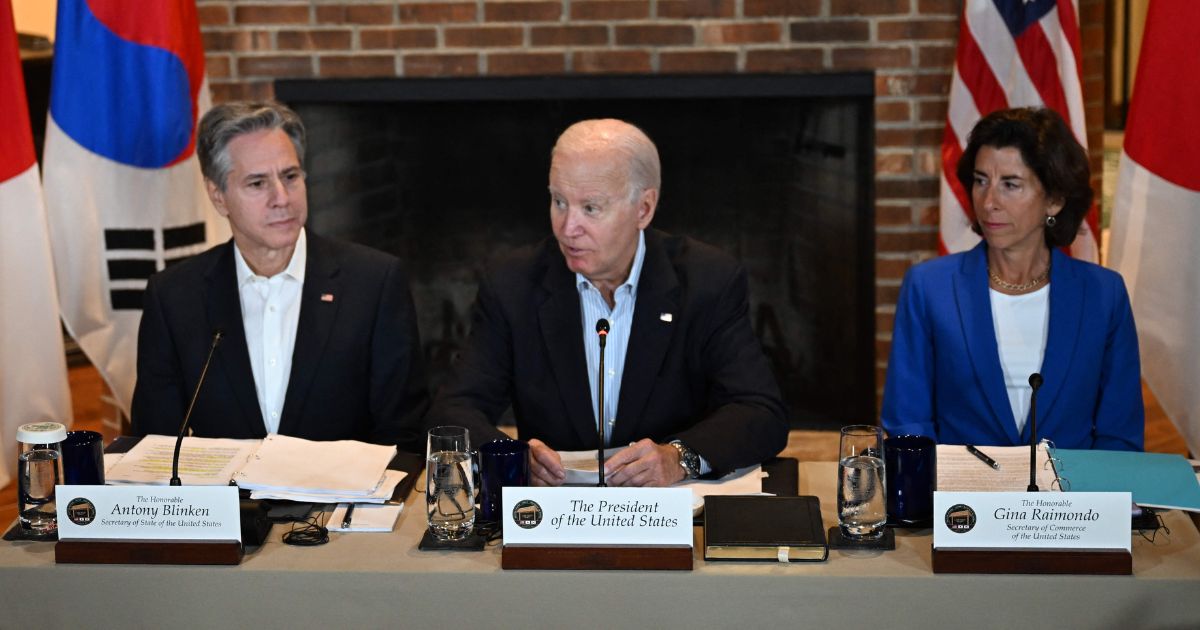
column 217, row 334
column 1035, row 381
column 602, row 334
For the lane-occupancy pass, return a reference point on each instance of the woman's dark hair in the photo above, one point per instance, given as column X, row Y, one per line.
column 1049, row 149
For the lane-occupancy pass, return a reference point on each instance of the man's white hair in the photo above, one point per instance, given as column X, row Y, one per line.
column 644, row 172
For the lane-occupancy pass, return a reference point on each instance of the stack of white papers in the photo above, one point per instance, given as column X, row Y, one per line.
column 344, row 470
column 382, row 493
column 202, row 461
column 743, row 481
column 583, row 469
column 960, row 471
column 366, row 518
column 277, row 467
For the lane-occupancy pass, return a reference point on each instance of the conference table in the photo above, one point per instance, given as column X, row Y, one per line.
column 369, row 580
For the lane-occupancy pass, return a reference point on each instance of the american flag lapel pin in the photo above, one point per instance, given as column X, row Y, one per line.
column 326, row 297
column 666, row 317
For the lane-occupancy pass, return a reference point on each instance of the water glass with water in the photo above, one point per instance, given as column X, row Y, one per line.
column 861, row 497
column 39, row 469
column 449, row 484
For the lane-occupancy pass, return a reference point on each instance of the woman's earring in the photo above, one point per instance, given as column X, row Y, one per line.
column 1051, row 221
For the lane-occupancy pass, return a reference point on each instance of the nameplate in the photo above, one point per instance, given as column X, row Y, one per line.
column 598, row 516
column 148, row 513
column 1031, row 520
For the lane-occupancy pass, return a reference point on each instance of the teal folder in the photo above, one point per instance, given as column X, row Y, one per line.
column 1157, row 480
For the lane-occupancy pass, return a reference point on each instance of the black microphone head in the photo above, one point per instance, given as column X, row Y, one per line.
column 1035, row 380
column 602, row 326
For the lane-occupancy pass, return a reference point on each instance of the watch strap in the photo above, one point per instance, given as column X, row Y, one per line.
column 688, row 459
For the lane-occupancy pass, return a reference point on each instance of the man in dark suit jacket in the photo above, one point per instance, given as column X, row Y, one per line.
column 696, row 395
column 354, row 369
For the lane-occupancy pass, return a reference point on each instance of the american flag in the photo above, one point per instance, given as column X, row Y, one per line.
column 1011, row 53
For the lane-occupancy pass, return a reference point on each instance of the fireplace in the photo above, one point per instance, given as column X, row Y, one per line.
column 777, row 170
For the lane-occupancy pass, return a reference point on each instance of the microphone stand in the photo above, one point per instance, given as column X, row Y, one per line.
column 1035, row 381
column 175, row 481
column 602, row 333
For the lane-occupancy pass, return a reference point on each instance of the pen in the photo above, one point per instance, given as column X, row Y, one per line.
column 347, row 517
column 970, row 449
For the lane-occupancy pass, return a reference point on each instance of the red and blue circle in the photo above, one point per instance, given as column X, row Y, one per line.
column 126, row 78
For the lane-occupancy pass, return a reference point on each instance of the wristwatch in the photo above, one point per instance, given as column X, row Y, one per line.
column 688, row 459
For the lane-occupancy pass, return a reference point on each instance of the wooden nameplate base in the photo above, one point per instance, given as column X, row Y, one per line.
column 226, row 552
column 597, row 557
column 1034, row 561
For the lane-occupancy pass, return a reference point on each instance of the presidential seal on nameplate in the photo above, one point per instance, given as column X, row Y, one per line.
column 597, row 528
column 148, row 525
column 1032, row 532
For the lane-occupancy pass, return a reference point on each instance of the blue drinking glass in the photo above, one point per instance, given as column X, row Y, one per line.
column 501, row 463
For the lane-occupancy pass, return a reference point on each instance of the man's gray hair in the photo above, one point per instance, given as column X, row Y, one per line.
column 227, row 121
column 645, row 170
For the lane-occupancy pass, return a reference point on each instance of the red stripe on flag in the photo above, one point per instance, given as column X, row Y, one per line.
column 16, row 136
column 951, row 154
column 1042, row 67
column 975, row 72
column 1163, row 130
column 1070, row 28
column 1093, row 221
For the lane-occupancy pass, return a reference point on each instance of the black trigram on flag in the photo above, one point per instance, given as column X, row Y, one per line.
column 134, row 254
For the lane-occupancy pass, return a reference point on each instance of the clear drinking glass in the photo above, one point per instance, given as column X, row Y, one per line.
column 861, row 498
column 449, row 489
column 39, row 469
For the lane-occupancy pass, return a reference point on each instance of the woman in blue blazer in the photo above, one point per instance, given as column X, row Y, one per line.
column 972, row 327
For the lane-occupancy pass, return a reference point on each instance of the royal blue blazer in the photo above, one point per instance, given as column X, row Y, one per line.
column 944, row 378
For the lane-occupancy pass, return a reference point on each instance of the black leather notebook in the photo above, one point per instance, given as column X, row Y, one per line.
column 781, row 529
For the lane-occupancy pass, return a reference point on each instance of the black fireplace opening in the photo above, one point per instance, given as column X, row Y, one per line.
column 776, row 170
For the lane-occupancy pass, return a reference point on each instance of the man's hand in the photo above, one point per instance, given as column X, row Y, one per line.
column 644, row 463
column 546, row 465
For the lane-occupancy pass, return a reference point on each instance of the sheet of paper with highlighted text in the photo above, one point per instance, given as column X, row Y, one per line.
column 202, row 461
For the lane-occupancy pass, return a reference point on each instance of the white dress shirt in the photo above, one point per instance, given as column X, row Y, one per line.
column 1022, row 323
column 270, row 315
column 620, row 323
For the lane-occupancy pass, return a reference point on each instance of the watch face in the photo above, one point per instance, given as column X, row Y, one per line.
column 688, row 459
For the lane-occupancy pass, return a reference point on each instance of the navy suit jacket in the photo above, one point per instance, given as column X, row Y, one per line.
column 357, row 371
column 944, row 377
column 700, row 377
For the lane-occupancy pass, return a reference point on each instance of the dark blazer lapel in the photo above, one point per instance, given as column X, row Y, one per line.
column 975, row 312
column 319, row 306
column 225, row 313
column 649, row 337
column 1066, row 318
column 562, row 332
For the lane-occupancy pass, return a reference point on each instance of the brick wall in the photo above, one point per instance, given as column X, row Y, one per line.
column 910, row 44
